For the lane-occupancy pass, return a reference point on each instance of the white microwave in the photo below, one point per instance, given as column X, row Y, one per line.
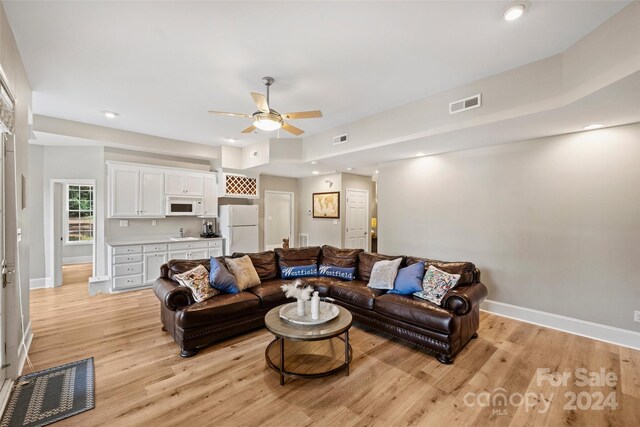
column 185, row 206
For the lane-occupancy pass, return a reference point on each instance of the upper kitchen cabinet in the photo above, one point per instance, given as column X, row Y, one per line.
column 184, row 184
column 135, row 192
column 210, row 196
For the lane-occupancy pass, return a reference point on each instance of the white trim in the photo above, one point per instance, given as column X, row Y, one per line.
column 25, row 345
column 346, row 219
column 292, row 228
column 583, row 328
column 5, row 392
column 39, row 283
column 77, row 260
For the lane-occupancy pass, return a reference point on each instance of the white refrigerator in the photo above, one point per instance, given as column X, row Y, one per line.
column 239, row 228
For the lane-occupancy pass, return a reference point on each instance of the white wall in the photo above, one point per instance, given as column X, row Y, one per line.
column 321, row 231
column 553, row 224
column 36, row 207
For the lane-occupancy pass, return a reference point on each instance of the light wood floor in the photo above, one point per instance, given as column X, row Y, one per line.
column 141, row 380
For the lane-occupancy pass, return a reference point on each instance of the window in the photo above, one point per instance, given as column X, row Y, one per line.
column 79, row 216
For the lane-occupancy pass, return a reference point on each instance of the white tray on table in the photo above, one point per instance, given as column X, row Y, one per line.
column 289, row 312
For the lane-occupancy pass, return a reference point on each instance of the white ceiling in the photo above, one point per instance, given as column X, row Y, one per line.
column 162, row 65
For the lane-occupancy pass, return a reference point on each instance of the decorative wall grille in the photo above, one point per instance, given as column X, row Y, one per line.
column 240, row 185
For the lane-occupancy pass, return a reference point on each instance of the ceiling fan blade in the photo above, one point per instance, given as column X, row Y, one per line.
column 316, row 114
column 261, row 102
column 292, row 129
column 249, row 129
column 224, row 113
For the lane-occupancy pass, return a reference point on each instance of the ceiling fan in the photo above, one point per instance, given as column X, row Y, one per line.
column 267, row 118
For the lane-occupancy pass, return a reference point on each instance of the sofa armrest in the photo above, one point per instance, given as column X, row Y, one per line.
column 172, row 295
column 462, row 299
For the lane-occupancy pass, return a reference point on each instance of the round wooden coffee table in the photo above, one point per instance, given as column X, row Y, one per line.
column 308, row 351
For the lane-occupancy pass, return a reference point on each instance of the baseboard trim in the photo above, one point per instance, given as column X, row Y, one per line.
column 77, row 260
column 583, row 328
column 38, row 283
column 25, row 345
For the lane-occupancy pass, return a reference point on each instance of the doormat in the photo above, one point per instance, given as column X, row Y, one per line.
column 44, row 397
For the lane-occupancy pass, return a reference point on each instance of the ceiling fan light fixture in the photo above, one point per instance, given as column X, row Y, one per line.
column 267, row 122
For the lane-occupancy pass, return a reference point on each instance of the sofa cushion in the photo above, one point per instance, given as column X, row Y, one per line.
column 341, row 273
column 355, row 293
column 242, row 268
column 220, row 308
column 436, row 284
column 464, row 269
column 383, row 274
column 409, row 279
column 336, row 257
column 298, row 256
column 197, row 281
column 264, row 262
column 221, row 279
column 417, row 312
column 366, row 261
column 310, row 270
column 270, row 293
column 177, row 266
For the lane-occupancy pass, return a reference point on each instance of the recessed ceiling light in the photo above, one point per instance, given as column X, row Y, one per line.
column 349, row 169
column 231, row 140
column 377, row 171
column 420, row 154
column 514, row 12
column 593, row 126
column 315, row 172
column 314, row 162
column 110, row 114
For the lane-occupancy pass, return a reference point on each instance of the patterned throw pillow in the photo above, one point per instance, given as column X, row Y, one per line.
column 436, row 284
column 344, row 273
column 246, row 274
column 197, row 280
column 299, row 271
column 383, row 274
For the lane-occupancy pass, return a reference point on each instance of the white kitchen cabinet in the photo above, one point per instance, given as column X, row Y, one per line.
column 198, row 254
column 152, row 263
column 124, row 185
column 135, row 192
column 184, row 184
column 152, row 194
column 178, row 255
column 210, row 196
column 215, row 248
column 215, row 252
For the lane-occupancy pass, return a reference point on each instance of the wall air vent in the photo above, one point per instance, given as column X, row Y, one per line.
column 303, row 240
column 461, row 105
column 340, row 139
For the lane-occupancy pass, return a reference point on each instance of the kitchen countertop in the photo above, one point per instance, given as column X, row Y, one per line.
column 146, row 240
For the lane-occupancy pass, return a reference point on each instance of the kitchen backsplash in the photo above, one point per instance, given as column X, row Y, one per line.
column 165, row 227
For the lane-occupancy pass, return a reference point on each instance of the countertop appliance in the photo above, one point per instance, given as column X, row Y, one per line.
column 185, row 206
column 239, row 227
column 208, row 229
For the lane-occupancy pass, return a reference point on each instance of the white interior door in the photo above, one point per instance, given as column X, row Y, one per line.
column 278, row 219
column 357, row 220
column 2, row 257
column 58, row 232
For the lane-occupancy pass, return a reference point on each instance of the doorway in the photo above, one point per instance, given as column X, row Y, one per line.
column 357, row 219
column 72, row 226
column 278, row 218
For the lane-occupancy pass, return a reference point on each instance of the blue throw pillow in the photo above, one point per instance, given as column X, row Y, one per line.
column 221, row 279
column 299, row 271
column 409, row 279
column 344, row 273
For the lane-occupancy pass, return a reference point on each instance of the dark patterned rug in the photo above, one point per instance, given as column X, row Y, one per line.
column 44, row 397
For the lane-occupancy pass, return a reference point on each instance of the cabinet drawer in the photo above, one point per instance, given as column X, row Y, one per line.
column 215, row 244
column 127, row 259
column 156, row 247
column 127, row 282
column 121, row 250
column 127, row 269
column 190, row 245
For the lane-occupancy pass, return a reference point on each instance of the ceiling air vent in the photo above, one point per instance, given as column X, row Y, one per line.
column 340, row 139
column 470, row 103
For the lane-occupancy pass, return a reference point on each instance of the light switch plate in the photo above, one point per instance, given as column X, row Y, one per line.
column 124, row 223
column 335, row 222
column 636, row 315
column 154, row 222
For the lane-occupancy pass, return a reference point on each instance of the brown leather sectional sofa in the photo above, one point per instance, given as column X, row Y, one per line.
column 444, row 329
